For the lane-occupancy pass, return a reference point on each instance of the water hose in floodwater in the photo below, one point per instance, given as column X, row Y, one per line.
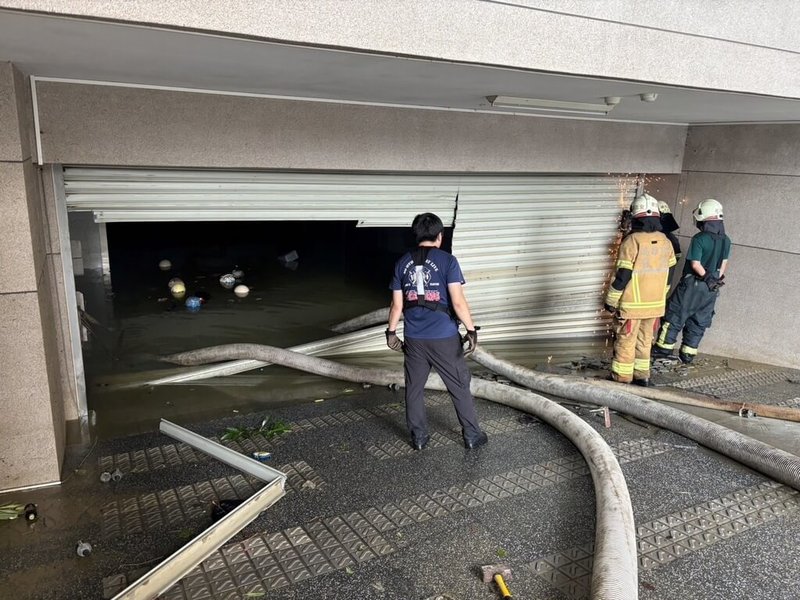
column 777, row 464
column 615, row 570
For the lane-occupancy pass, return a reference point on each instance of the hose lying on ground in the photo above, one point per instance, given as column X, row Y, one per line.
column 762, row 410
column 615, row 571
column 777, row 464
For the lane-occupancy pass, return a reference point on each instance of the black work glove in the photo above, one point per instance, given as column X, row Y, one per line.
column 471, row 340
column 610, row 308
column 393, row 341
column 713, row 283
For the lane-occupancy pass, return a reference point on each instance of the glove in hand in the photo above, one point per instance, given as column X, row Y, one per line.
column 471, row 339
column 713, row 283
column 394, row 342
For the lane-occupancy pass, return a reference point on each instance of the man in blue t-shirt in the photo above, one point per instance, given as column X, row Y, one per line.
column 426, row 291
column 691, row 306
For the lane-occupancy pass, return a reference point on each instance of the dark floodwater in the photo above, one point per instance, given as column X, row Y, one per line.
column 342, row 272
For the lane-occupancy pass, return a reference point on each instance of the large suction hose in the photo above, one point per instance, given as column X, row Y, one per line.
column 615, row 571
column 778, row 464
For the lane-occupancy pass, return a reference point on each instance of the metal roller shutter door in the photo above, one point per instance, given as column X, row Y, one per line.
column 537, row 251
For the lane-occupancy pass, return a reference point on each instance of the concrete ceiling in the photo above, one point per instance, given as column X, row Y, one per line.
column 57, row 47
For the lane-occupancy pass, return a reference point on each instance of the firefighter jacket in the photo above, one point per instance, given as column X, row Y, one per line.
column 642, row 281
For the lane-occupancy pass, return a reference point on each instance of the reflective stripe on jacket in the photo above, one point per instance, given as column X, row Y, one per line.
column 648, row 256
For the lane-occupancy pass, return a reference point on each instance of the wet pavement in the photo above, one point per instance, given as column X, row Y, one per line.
column 365, row 516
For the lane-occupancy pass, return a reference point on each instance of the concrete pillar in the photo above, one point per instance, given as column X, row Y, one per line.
column 32, row 429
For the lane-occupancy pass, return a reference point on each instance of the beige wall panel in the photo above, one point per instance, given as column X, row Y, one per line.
column 9, row 133
column 663, row 186
column 756, row 310
column 765, row 149
column 28, row 454
column 760, row 210
column 17, row 264
column 25, row 114
column 120, row 126
column 496, row 33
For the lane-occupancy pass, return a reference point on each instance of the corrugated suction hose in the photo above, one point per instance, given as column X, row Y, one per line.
column 615, row 571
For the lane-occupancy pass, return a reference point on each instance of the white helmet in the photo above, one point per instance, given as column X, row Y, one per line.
column 644, row 206
column 663, row 208
column 708, row 210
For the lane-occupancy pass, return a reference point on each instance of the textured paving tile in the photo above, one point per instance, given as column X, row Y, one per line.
column 677, row 534
column 733, row 382
column 175, row 455
column 276, row 560
column 401, row 447
column 176, row 507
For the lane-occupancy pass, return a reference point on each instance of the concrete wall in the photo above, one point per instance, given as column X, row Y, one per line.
column 32, row 429
column 754, row 170
column 727, row 44
column 103, row 125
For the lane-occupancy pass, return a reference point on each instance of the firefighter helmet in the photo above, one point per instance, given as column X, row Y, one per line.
column 663, row 208
column 708, row 210
column 644, row 206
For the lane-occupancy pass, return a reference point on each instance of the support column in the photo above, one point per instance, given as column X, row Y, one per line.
column 32, row 429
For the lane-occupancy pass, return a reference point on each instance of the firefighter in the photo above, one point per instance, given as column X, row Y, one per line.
column 637, row 295
column 691, row 306
column 668, row 226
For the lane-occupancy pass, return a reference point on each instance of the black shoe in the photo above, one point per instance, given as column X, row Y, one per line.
column 477, row 442
column 420, row 443
column 642, row 382
column 685, row 358
column 659, row 352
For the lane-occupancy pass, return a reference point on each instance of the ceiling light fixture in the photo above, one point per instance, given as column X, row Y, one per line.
column 560, row 106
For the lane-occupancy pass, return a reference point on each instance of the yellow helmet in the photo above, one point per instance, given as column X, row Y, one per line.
column 644, row 206
column 708, row 210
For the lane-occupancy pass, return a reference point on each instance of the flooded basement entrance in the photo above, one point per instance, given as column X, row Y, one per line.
column 341, row 272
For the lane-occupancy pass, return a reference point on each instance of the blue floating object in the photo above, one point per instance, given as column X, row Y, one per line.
column 193, row 304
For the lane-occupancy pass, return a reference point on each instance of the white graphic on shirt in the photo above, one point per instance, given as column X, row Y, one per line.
column 420, row 278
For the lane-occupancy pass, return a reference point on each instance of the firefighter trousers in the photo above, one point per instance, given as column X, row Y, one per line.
column 634, row 337
column 690, row 308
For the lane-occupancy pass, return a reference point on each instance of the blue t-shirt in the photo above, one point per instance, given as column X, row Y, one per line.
column 440, row 268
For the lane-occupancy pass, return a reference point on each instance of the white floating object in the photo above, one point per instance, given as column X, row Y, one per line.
column 227, row 281
column 175, row 280
column 241, row 291
column 178, row 290
column 165, row 265
column 238, row 274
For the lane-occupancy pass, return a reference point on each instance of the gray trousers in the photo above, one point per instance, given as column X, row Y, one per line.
column 447, row 357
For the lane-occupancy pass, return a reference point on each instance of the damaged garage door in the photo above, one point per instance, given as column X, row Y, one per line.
column 537, row 251
column 138, row 195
